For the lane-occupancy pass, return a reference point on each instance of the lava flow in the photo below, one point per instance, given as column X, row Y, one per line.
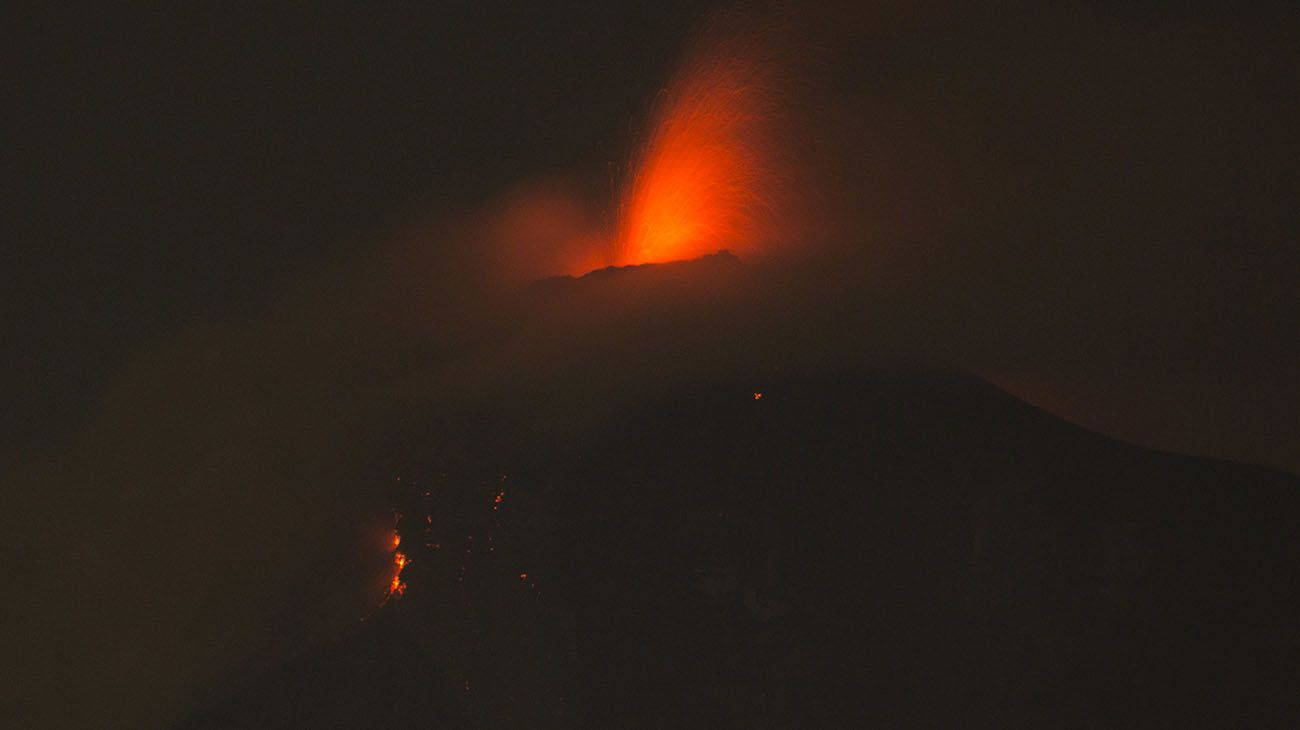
column 396, row 586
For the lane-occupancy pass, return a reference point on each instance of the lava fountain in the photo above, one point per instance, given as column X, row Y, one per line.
column 706, row 174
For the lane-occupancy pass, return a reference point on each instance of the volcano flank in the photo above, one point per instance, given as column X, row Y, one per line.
column 822, row 550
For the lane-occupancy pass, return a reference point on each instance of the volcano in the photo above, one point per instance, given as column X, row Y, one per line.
column 815, row 550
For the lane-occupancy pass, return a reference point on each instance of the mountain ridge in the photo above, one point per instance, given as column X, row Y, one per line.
column 838, row 550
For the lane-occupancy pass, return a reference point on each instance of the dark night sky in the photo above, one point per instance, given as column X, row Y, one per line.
column 1094, row 206
column 168, row 168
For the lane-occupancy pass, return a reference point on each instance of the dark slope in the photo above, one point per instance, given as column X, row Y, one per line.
column 843, row 552
column 377, row 678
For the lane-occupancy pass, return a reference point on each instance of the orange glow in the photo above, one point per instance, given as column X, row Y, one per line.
column 704, row 175
column 396, row 586
column 543, row 228
column 758, row 396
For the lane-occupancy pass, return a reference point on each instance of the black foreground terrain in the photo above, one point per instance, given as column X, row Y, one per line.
column 839, row 552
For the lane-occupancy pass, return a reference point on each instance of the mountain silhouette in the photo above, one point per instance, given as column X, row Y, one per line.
column 817, row 551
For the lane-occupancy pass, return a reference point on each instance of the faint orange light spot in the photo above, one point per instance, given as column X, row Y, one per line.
column 758, row 396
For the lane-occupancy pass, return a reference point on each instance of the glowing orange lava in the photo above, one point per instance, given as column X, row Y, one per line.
column 704, row 174
column 396, row 586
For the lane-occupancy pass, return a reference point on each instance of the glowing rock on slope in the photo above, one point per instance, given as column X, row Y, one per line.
column 396, row 586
